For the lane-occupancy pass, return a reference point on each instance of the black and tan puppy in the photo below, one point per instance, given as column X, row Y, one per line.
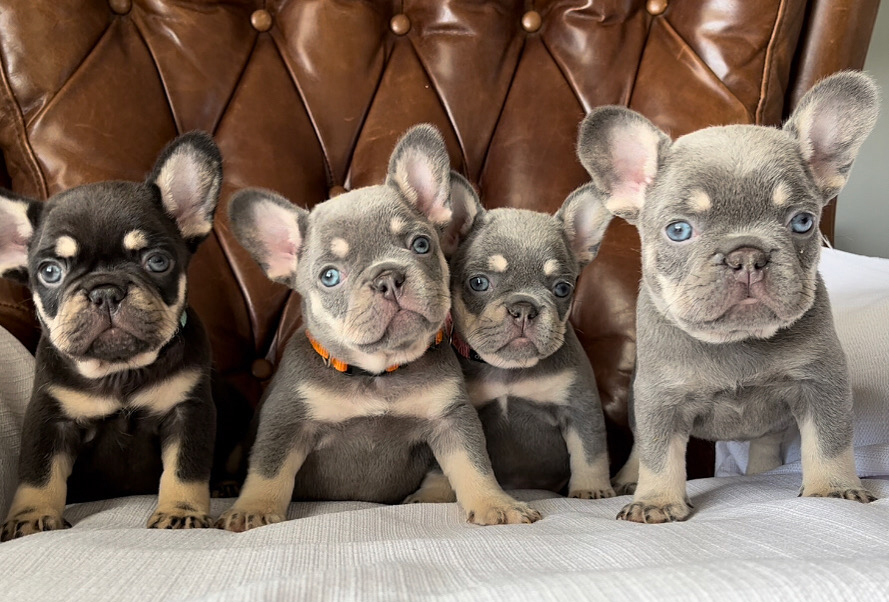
column 121, row 397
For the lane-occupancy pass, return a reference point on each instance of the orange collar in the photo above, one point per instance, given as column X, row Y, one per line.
column 341, row 366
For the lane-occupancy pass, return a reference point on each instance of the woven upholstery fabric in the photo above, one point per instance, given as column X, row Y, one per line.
column 307, row 97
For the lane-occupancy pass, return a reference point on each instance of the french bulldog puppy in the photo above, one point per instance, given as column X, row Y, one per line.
column 512, row 284
column 735, row 339
column 121, row 398
column 367, row 391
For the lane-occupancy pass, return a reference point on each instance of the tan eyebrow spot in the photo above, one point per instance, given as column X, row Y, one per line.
column 550, row 267
column 781, row 194
column 135, row 240
column 699, row 201
column 396, row 225
column 339, row 247
column 498, row 263
column 66, row 247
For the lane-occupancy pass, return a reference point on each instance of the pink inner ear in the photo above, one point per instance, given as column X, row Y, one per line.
column 420, row 177
column 278, row 230
column 634, row 152
column 15, row 233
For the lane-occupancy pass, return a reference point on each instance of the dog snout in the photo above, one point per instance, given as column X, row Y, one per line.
column 107, row 296
column 522, row 309
column 389, row 283
column 748, row 263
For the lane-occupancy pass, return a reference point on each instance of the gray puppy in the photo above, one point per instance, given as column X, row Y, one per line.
column 367, row 392
column 512, row 286
column 735, row 335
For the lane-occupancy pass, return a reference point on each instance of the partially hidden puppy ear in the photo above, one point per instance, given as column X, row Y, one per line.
column 621, row 150
column 272, row 229
column 831, row 122
column 465, row 209
column 584, row 219
column 188, row 173
column 420, row 169
column 18, row 220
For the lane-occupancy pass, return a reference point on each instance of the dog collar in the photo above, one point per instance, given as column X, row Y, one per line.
column 460, row 346
column 341, row 366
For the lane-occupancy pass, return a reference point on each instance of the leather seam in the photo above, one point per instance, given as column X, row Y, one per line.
column 21, row 138
column 767, row 64
column 160, row 75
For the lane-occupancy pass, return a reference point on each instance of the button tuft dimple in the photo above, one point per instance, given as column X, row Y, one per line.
column 531, row 21
column 261, row 368
column 120, row 7
column 261, row 20
column 656, row 7
column 400, row 24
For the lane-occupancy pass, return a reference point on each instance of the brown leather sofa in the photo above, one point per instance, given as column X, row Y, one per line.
column 307, row 97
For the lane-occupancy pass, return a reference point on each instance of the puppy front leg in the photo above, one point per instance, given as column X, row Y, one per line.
column 458, row 443
column 660, row 495
column 284, row 439
column 828, row 460
column 584, row 435
column 48, row 450
column 187, row 438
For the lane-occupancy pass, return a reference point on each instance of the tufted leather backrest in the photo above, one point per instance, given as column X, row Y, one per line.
column 307, row 97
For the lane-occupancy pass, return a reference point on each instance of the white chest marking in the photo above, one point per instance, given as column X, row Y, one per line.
column 541, row 389
column 326, row 405
column 162, row 397
column 159, row 399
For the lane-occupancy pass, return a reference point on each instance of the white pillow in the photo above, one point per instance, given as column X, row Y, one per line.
column 859, row 295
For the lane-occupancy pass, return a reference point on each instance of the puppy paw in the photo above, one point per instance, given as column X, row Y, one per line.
column 857, row 494
column 179, row 518
column 32, row 521
column 624, row 488
column 592, row 494
column 651, row 513
column 431, row 495
column 501, row 511
column 238, row 521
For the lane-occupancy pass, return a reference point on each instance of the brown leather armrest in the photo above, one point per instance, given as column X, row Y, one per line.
column 17, row 314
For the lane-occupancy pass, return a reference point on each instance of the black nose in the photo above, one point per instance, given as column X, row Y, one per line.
column 523, row 311
column 107, row 296
column 748, row 263
column 389, row 283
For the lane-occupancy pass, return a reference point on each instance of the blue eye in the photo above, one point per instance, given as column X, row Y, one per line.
column 479, row 283
column 562, row 289
column 802, row 222
column 421, row 245
column 330, row 277
column 679, row 231
column 157, row 263
column 50, row 272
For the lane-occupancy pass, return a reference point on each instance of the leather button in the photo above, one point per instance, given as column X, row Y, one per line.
column 120, row 7
column 336, row 191
column 261, row 20
column 531, row 21
column 400, row 24
column 656, row 7
column 261, row 368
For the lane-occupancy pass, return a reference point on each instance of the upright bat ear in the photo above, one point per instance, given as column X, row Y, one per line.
column 830, row 124
column 584, row 219
column 465, row 208
column 621, row 150
column 18, row 221
column 419, row 169
column 272, row 229
column 189, row 176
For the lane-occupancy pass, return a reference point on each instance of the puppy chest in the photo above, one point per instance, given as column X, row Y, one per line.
column 553, row 389
column 742, row 414
column 155, row 399
column 348, row 401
